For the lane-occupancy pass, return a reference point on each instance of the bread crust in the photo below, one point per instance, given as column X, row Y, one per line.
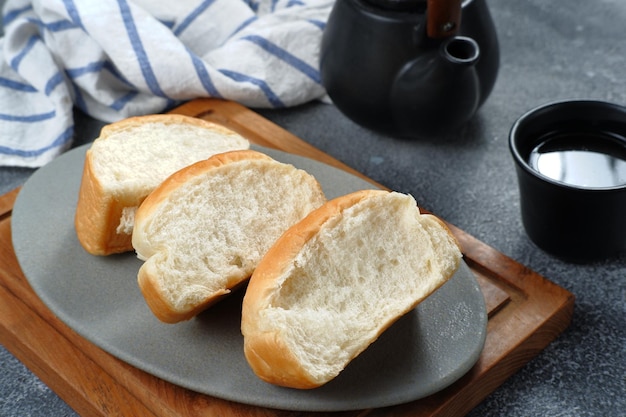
column 162, row 192
column 147, row 278
column 98, row 215
column 266, row 352
column 168, row 118
column 98, row 212
column 444, row 227
column 161, row 308
column 268, row 356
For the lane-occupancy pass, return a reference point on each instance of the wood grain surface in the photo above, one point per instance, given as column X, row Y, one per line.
column 526, row 313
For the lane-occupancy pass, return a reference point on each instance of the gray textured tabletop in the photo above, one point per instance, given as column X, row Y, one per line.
column 549, row 50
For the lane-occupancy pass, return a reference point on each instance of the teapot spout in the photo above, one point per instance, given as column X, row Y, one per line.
column 460, row 50
column 436, row 93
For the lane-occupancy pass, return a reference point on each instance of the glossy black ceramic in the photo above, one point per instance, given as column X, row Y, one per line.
column 382, row 70
column 572, row 222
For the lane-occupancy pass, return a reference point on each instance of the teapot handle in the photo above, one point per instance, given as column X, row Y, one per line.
column 443, row 18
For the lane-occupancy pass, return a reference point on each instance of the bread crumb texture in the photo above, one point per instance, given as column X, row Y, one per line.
column 121, row 162
column 364, row 268
column 211, row 231
column 131, row 158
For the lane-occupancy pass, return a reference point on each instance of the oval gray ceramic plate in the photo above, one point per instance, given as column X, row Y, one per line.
column 425, row 351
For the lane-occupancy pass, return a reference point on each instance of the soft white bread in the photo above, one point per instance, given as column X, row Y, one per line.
column 336, row 280
column 129, row 159
column 203, row 231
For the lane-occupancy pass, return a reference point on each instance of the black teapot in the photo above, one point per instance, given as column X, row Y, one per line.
column 409, row 68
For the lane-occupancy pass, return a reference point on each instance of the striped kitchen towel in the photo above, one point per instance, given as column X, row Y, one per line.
column 118, row 58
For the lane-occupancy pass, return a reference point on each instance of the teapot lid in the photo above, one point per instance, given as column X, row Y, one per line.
column 400, row 5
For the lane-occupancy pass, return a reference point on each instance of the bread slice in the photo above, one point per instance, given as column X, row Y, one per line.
column 336, row 280
column 203, row 231
column 129, row 159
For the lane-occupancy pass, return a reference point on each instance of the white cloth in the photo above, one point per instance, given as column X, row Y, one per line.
column 118, row 58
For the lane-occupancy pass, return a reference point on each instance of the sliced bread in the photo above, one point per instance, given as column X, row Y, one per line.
column 129, row 159
column 336, row 280
column 203, row 231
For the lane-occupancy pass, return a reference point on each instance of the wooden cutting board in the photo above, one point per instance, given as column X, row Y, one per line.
column 526, row 313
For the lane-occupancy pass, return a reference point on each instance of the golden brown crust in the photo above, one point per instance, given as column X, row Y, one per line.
column 162, row 309
column 132, row 122
column 98, row 213
column 267, row 355
column 97, row 216
column 446, row 228
column 148, row 283
column 265, row 351
column 268, row 345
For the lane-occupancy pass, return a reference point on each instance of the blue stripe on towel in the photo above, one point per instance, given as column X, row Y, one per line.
column 142, row 56
column 320, row 24
column 62, row 139
column 121, row 102
column 16, row 85
column 97, row 66
column 30, row 118
column 285, row 56
column 271, row 96
column 203, row 75
column 17, row 59
column 57, row 26
column 55, row 80
column 92, row 67
column 168, row 23
column 73, row 12
column 60, row 25
column 109, row 66
column 192, row 16
column 243, row 25
column 11, row 15
column 170, row 104
column 253, row 4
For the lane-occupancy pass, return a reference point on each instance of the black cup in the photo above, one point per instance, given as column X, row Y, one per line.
column 570, row 159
